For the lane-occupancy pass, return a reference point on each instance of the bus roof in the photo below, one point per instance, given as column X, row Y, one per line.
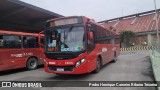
column 90, row 20
column 18, row 33
column 62, row 18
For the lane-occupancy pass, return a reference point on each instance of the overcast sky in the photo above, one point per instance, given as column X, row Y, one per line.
column 96, row 9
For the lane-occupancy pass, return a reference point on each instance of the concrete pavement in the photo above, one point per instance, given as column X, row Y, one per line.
column 131, row 66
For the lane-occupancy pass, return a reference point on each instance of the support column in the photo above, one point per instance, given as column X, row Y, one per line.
column 149, row 38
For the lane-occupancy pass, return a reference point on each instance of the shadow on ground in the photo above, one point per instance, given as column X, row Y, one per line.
column 14, row 71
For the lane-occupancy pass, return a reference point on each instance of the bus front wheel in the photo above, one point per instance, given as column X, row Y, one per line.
column 32, row 63
column 98, row 66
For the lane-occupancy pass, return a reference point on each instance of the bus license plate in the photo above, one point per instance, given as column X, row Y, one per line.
column 60, row 69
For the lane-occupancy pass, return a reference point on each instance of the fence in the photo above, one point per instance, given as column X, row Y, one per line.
column 155, row 60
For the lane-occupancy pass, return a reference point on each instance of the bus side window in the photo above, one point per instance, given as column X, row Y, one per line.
column 11, row 41
column 113, row 41
column 30, row 42
column 1, row 41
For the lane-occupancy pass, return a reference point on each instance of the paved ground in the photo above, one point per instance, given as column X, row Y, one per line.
column 131, row 66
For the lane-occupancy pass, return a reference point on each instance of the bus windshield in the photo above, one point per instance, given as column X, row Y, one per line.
column 69, row 39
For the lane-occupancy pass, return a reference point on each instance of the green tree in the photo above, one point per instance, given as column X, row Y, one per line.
column 127, row 38
column 111, row 27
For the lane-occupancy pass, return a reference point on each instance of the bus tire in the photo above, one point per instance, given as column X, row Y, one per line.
column 32, row 63
column 98, row 66
column 115, row 57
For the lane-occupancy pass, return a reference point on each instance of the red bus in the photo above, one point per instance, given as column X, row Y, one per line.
column 78, row 45
column 19, row 49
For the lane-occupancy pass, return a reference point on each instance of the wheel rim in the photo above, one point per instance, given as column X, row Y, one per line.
column 98, row 65
column 33, row 64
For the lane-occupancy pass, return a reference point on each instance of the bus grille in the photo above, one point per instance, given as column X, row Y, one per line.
column 66, row 68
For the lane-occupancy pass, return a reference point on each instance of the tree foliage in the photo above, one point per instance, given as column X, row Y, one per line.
column 127, row 37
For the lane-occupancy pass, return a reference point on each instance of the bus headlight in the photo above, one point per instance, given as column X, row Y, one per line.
column 83, row 60
column 80, row 62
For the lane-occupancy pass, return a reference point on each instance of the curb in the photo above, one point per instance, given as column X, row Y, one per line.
column 135, row 48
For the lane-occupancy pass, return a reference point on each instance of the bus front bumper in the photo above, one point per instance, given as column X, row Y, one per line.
column 81, row 69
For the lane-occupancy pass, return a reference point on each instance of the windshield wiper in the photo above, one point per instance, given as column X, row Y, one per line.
column 70, row 29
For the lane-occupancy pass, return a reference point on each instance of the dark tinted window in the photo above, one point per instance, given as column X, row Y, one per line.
column 30, row 42
column 42, row 40
column 10, row 41
column 1, row 41
column 101, row 35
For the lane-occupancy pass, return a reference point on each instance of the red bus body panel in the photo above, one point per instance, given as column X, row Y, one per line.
column 90, row 64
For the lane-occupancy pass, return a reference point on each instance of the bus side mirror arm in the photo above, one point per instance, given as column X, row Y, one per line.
column 39, row 38
column 90, row 35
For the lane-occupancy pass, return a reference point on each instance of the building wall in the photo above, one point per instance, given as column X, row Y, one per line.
column 143, row 40
column 154, row 37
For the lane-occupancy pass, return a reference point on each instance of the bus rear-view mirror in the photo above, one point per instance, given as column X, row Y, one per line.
column 90, row 35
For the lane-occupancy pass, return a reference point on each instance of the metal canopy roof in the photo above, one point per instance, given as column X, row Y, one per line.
column 19, row 16
column 141, row 23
